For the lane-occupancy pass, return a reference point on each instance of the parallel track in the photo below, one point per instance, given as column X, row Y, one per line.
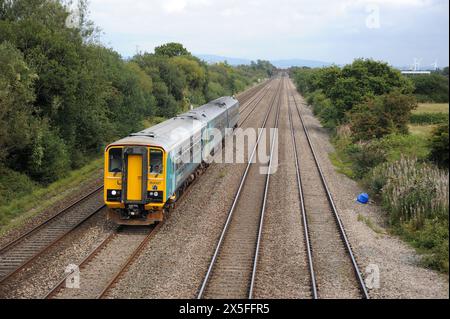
column 319, row 217
column 231, row 272
column 59, row 288
column 245, row 104
column 19, row 253
column 121, row 248
column 246, row 96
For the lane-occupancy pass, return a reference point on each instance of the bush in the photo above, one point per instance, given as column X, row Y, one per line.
column 49, row 160
column 380, row 116
column 429, row 118
column 13, row 185
column 323, row 108
column 439, row 146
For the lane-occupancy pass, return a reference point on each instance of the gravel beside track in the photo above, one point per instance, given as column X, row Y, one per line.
column 47, row 270
column 98, row 272
column 401, row 276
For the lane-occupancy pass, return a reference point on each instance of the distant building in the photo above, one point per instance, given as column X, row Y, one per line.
column 416, row 72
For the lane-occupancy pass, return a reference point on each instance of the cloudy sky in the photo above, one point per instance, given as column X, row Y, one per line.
column 396, row 31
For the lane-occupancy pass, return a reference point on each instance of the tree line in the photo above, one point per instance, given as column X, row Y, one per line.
column 64, row 95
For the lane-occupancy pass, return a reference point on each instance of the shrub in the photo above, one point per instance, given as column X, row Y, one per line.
column 429, row 118
column 380, row 116
column 323, row 108
column 49, row 160
column 13, row 184
column 439, row 146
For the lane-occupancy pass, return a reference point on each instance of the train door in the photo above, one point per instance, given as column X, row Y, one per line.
column 135, row 177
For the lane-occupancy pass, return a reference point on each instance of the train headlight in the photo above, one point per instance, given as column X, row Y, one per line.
column 151, row 193
column 155, row 194
column 113, row 195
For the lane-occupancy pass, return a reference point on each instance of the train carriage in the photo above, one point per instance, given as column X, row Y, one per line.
column 146, row 172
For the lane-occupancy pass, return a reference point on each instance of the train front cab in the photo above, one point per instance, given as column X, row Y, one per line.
column 135, row 184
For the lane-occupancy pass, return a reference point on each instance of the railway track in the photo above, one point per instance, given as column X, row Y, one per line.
column 232, row 269
column 102, row 267
column 334, row 272
column 247, row 104
column 247, row 95
column 20, row 252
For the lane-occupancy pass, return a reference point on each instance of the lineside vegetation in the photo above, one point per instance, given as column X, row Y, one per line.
column 368, row 107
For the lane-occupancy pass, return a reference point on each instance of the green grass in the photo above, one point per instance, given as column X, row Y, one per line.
column 370, row 224
column 342, row 166
column 432, row 108
column 431, row 242
column 17, row 211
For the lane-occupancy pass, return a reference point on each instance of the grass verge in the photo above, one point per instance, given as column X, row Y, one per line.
column 17, row 211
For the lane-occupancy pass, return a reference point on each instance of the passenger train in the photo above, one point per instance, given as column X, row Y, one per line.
column 146, row 172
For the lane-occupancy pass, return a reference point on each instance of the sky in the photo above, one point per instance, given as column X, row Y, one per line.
column 336, row 31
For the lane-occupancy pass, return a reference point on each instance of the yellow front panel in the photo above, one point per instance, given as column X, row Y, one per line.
column 134, row 178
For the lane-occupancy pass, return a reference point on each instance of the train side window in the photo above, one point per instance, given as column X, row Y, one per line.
column 156, row 162
column 115, row 160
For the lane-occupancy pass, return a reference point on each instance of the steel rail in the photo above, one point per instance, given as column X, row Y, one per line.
column 236, row 198
column 86, row 260
column 264, row 201
column 303, row 209
column 252, row 98
column 42, row 250
column 250, row 93
column 247, row 116
column 37, row 227
column 361, row 283
column 129, row 261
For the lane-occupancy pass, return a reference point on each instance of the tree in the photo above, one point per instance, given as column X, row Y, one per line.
column 439, row 146
column 381, row 115
column 16, row 98
column 171, row 49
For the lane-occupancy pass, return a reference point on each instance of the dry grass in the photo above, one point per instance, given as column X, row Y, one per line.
column 432, row 108
column 421, row 130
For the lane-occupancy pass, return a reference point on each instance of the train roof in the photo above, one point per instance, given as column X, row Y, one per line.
column 170, row 133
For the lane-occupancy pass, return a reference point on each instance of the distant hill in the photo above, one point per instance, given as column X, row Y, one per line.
column 209, row 58
column 283, row 64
